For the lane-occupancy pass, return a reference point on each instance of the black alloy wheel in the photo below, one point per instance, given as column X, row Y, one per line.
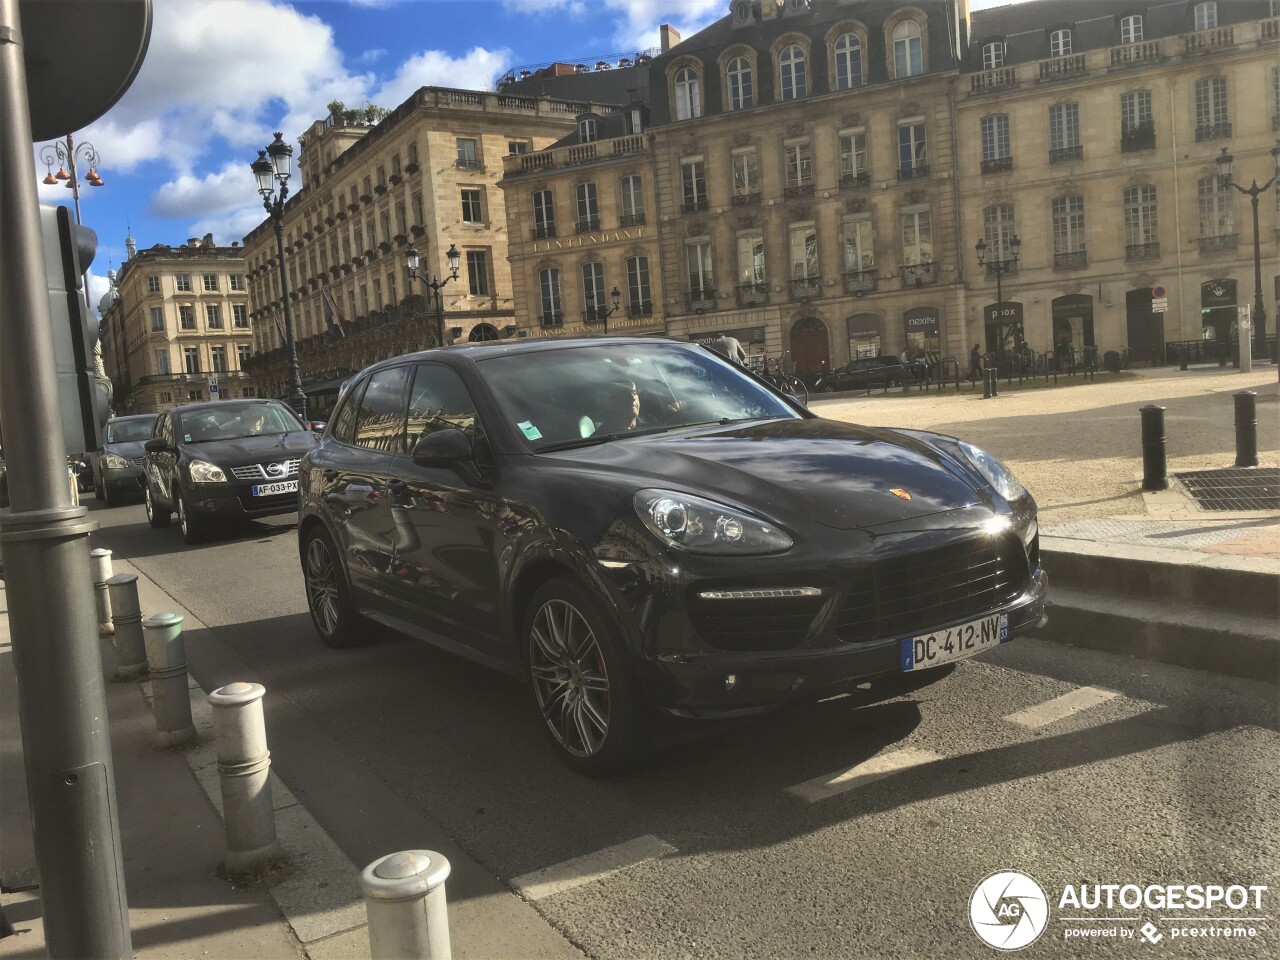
column 157, row 515
column 194, row 529
column 332, row 614
column 581, row 679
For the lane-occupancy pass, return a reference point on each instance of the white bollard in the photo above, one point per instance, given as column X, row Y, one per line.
column 244, row 768
column 167, row 661
column 404, row 899
column 102, row 572
column 126, row 616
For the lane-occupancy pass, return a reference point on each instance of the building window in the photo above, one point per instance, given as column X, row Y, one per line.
column 218, row 358
column 848, row 61
column 153, row 284
column 1275, row 99
column 588, row 208
column 162, row 361
column 593, row 295
column 739, row 77
column 377, row 294
column 853, row 158
column 1068, row 229
column 799, row 165
column 803, row 246
column 183, row 283
column 997, row 231
column 917, row 238
column 1212, row 122
column 213, row 316
column 908, row 56
column 191, row 359
column 698, row 262
column 186, row 317
column 746, row 175
column 381, row 174
column 993, row 55
column 996, row 153
column 478, row 273
column 1217, row 213
column 688, row 97
column 157, row 318
column 549, row 285
column 912, row 155
column 859, row 247
column 587, row 130
column 1137, row 125
column 237, row 282
column 1060, row 43
column 1131, row 28
column 211, row 282
column 630, row 201
column 472, row 208
column 639, row 299
column 1141, row 236
column 693, row 182
column 544, row 215
column 791, row 68
column 1206, row 16
column 751, row 269
column 243, row 352
column 517, row 147
column 1064, row 133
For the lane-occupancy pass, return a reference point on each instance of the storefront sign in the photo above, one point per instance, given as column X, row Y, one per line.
column 921, row 320
column 743, row 334
column 1006, row 312
column 588, row 240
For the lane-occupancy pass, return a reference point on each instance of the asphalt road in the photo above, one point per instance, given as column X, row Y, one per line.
column 1161, row 776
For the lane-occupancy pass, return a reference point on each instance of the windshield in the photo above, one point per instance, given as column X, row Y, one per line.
column 591, row 393
column 235, row 423
column 128, row 431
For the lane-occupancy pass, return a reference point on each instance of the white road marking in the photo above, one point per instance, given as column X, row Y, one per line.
column 830, row 784
column 1059, row 708
column 593, row 866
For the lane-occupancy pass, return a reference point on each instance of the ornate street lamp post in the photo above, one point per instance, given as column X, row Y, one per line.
column 600, row 313
column 999, row 267
column 1253, row 192
column 435, row 285
column 271, row 172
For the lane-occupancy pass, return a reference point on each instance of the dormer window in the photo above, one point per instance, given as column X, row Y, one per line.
column 848, row 61
column 1131, row 29
column 688, row 94
column 993, row 55
column 908, row 54
column 791, row 67
column 1060, row 43
column 587, row 130
column 1206, row 16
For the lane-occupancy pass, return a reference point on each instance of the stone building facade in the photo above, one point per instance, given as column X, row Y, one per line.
column 179, row 319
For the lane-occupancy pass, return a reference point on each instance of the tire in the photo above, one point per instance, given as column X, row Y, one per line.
column 826, row 388
column 328, row 596
column 100, row 492
column 157, row 515
column 893, row 382
column 194, row 529
column 583, row 685
column 798, row 390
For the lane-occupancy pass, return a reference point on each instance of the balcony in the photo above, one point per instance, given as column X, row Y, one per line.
column 644, row 309
column 1141, row 137
column 1142, row 251
column 587, row 225
column 997, row 165
column 806, row 288
column 860, row 281
column 753, row 294
column 551, row 320
column 919, row 274
column 1071, row 260
column 852, row 181
column 631, row 220
column 470, row 163
column 997, row 79
column 918, row 172
column 1223, row 243
column 1208, row 41
column 693, row 206
column 544, row 231
column 1143, row 52
column 572, row 156
column 1066, row 154
column 700, row 301
column 1062, row 68
column 1213, row 131
column 800, row 190
column 746, row 199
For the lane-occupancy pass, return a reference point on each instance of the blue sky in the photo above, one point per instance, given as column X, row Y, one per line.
column 221, row 75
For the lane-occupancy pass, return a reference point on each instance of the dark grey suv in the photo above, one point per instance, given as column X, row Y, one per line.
column 117, row 467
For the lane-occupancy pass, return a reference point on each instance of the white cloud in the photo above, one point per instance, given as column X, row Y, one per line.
column 190, row 196
column 371, row 56
column 640, row 19
column 230, row 227
column 477, row 70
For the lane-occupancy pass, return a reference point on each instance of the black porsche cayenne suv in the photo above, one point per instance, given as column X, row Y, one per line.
column 211, row 463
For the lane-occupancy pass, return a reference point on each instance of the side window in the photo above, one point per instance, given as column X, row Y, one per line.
column 344, row 422
column 440, row 400
column 380, row 418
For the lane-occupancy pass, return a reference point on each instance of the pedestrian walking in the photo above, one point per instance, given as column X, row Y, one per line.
column 975, row 364
column 729, row 347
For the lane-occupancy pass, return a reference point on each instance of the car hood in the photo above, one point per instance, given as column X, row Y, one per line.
column 288, row 446
column 836, row 474
column 128, row 449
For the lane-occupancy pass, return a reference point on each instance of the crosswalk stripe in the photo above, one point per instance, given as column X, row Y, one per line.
column 1059, row 708
column 591, row 867
column 830, row 784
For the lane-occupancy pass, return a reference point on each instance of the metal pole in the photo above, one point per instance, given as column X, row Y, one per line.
column 1259, row 311
column 167, row 661
column 435, row 288
column 1154, row 473
column 1246, row 429
column 244, row 769
column 61, row 693
column 126, row 615
column 297, row 399
column 405, row 902
column 102, row 572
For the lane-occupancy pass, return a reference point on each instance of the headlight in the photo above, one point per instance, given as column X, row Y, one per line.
column 997, row 474
column 114, row 462
column 204, row 472
column 704, row 526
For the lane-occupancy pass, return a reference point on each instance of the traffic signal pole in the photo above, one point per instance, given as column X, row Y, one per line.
column 52, row 618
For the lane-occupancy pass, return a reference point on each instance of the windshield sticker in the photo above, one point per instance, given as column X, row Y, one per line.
column 529, row 430
column 186, row 438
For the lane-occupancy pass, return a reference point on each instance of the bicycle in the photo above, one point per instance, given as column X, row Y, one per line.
column 791, row 385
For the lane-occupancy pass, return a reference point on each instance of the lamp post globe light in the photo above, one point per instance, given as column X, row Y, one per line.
column 414, row 261
column 272, row 169
column 1253, row 192
column 595, row 313
column 999, row 266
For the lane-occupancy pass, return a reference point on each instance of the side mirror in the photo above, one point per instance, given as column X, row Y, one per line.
column 443, row 448
column 155, row 445
column 317, row 426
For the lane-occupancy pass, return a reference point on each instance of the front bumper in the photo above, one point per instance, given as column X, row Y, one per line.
column 235, row 501
column 126, row 480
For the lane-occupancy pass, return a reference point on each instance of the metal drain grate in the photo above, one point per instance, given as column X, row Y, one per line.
column 1234, row 488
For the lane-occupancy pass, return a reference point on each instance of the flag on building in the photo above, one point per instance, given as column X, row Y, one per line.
column 280, row 330
column 332, row 313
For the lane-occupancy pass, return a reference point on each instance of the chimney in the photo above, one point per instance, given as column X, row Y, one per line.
column 769, row 9
column 193, row 242
column 208, row 241
column 670, row 36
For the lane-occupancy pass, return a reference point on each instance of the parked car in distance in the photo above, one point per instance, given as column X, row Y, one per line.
column 639, row 525
column 117, row 467
column 879, row 372
column 220, row 461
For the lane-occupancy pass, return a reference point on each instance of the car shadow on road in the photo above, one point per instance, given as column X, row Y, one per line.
column 126, row 531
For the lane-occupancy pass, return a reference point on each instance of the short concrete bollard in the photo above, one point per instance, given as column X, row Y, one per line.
column 244, row 769
column 100, row 557
column 126, row 616
column 405, row 902
column 1154, row 466
column 167, row 661
column 1246, row 428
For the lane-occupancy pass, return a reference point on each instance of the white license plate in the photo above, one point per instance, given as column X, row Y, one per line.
column 269, row 489
column 954, row 643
